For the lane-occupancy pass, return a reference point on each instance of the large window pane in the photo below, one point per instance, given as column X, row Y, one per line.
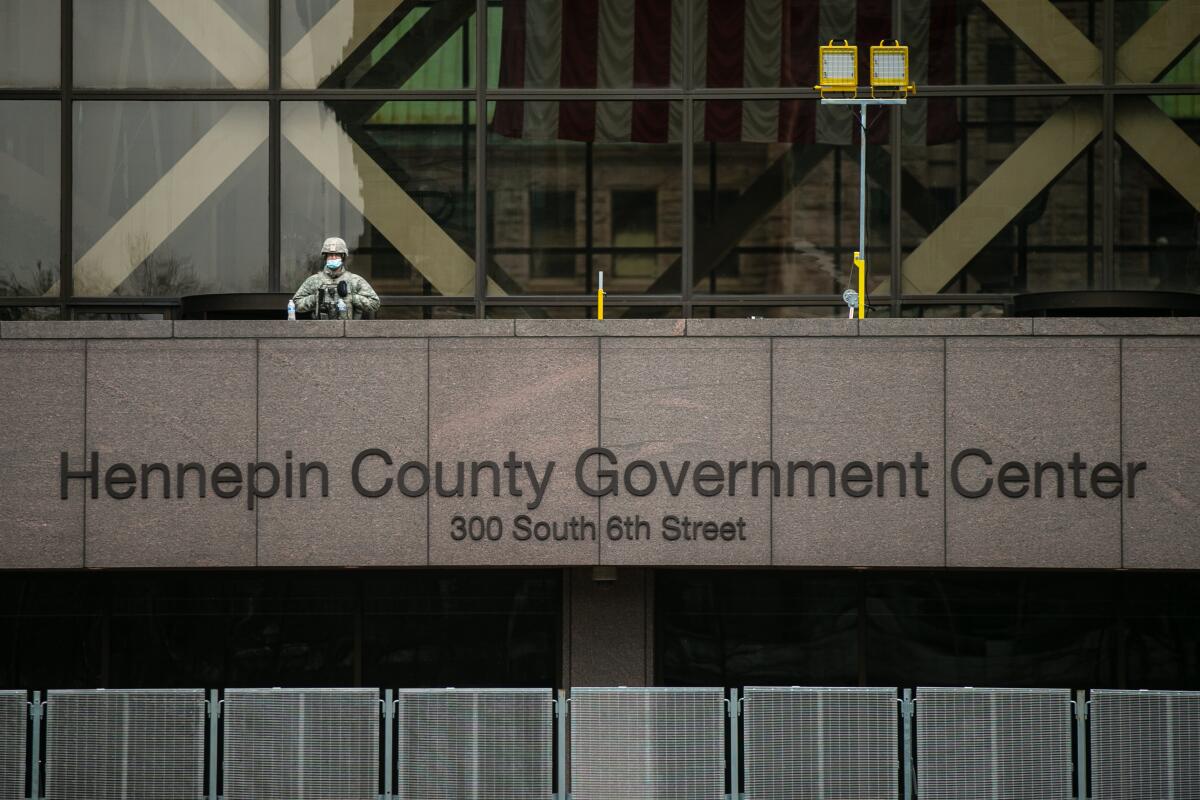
column 1158, row 226
column 485, row 628
column 615, row 44
column 395, row 180
column 777, row 197
column 214, row 629
column 29, row 43
column 1169, row 54
column 378, row 44
column 51, row 630
column 992, row 629
column 1008, row 203
column 170, row 198
column 30, row 189
column 1163, row 621
column 578, row 187
column 744, row 628
column 200, row 44
column 970, row 42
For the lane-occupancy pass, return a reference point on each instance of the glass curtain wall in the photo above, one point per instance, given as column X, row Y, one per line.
column 492, row 157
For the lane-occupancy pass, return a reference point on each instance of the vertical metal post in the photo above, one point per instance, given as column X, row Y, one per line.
column 35, row 759
column 481, row 172
column 66, row 133
column 274, row 145
column 389, row 718
column 735, row 777
column 560, row 731
column 214, row 729
column 907, row 709
column 862, row 212
column 1081, row 750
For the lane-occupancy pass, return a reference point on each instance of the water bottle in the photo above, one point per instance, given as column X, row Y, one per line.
column 341, row 306
column 291, row 309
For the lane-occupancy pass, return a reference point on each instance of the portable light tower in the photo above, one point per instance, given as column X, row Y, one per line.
column 839, row 86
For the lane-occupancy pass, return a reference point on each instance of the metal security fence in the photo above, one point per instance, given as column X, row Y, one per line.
column 482, row 744
column 301, row 744
column 662, row 743
column 827, row 743
column 1145, row 745
column 666, row 744
column 106, row 744
column 14, row 712
column 993, row 744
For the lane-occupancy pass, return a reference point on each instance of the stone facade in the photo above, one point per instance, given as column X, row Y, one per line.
column 345, row 448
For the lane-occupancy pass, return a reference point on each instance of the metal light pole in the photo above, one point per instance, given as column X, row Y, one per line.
column 839, row 86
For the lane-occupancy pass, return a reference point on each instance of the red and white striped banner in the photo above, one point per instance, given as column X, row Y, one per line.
column 621, row 44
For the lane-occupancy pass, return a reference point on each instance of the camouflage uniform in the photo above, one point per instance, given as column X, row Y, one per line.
column 359, row 298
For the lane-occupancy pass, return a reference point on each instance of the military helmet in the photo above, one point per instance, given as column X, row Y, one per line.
column 335, row 245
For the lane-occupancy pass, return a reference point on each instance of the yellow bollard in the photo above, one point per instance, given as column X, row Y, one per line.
column 861, row 263
column 600, row 298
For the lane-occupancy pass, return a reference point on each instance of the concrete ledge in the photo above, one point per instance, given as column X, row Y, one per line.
column 797, row 326
column 597, row 327
column 87, row 329
column 408, row 328
column 1116, row 326
column 950, row 326
column 547, row 328
column 258, row 329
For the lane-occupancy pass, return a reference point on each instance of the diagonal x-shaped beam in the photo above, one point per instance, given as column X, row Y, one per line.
column 226, row 146
column 377, row 197
column 1051, row 149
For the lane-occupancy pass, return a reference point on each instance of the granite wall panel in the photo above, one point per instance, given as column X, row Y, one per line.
column 536, row 399
column 1161, row 397
column 1032, row 400
column 877, row 402
column 678, row 401
column 331, row 401
column 42, row 396
column 171, row 402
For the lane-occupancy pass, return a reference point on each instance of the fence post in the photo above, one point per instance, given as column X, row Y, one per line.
column 560, row 730
column 35, row 760
column 907, row 710
column 214, row 730
column 389, row 717
column 735, row 777
column 1081, row 750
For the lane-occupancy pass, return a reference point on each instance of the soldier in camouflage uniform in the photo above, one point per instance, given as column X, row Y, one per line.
column 339, row 283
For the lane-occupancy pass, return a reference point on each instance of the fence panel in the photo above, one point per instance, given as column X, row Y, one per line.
column 665, row 744
column 1145, row 745
column 107, row 744
column 301, row 744
column 14, row 713
column 840, row 744
column 475, row 744
column 994, row 744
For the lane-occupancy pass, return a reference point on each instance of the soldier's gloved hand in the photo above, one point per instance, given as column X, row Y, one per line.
column 343, row 289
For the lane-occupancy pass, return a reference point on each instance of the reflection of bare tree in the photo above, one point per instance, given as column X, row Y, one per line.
column 20, row 281
column 162, row 275
column 152, row 273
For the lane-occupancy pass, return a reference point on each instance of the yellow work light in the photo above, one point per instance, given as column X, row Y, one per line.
column 839, row 68
column 889, row 67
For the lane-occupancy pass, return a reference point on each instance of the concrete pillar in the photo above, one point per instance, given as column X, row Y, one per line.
column 608, row 627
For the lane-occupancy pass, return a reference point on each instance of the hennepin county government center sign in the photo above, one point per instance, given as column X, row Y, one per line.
column 597, row 473
column 646, row 443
